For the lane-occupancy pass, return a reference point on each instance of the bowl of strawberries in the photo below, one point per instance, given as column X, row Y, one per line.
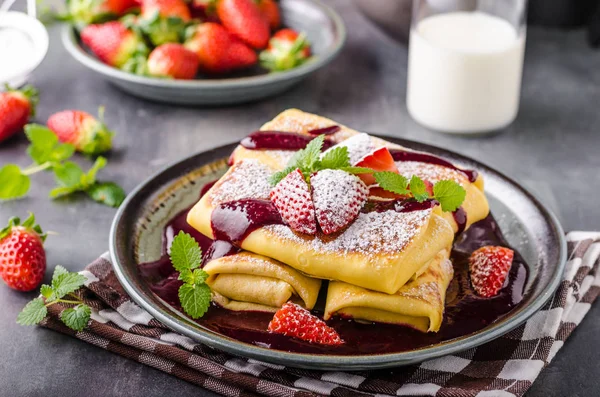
column 203, row 52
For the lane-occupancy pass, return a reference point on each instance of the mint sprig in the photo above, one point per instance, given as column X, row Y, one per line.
column 448, row 193
column 47, row 153
column 186, row 256
column 64, row 283
column 309, row 161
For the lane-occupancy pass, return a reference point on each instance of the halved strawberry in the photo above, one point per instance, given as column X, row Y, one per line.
column 292, row 199
column 338, row 198
column 380, row 160
column 296, row 321
column 489, row 267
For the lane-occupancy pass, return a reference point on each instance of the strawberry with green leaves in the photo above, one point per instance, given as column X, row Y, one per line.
column 173, row 61
column 88, row 134
column 61, row 290
column 287, row 49
column 194, row 293
column 218, row 51
column 158, row 29
column 22, row 255
column 85, row 12
column 113, row 43
column 16, row 106
column 243, row 19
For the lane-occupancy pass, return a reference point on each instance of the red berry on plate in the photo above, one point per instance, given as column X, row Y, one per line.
column 111, row 42
column 489, row 267
column 287, row 49
column 338, row 198
column 295, row 321
column 166, row 8
column 15, row 108
column 218, row 50
column 380, row 160
column 22, row 255
column 244, row 20
column 173, row 60
column 292, row 199
column 270, row 11
column 88, row 134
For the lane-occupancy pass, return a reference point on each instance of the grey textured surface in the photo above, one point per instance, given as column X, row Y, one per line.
column 552, row 147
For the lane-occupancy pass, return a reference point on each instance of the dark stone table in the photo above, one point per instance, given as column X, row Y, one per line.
column 553, row 148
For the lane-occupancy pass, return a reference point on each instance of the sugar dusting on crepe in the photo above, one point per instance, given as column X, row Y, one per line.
column 431, row 172
column 246, row 179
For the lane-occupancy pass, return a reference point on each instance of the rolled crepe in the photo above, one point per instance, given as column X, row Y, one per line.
column 250, row 282
column 419, row 304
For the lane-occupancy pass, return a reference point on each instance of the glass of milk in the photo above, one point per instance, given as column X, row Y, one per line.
column 465, row 63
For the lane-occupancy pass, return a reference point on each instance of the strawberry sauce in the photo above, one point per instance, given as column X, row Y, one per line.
column 465, row 312
column 404, row 155
column 280, row 140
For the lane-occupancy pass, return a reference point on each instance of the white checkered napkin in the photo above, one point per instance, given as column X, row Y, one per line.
column 506, row 366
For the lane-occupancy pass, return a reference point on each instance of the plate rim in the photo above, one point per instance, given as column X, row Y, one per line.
column 76, row 51
column 332, row 361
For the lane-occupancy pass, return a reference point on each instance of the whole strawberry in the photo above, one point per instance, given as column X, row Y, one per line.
column 489, row 267
column 217, row 50
column 172, row 60
column 270, row 11
column 112, row 42
column 15, row 108
column 22, row 255
column 287, row 49
column 292, row 198
column 244, row 20
column 166, row 8
column 84, row 12
column 88, row 134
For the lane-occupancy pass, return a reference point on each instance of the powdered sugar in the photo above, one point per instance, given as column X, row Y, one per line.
column 431, row 172
column 370, row 234
column 358, row 147
column 246, row 179
column 292, row 199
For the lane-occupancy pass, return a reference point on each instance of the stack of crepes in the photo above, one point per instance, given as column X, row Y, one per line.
column 390, row 267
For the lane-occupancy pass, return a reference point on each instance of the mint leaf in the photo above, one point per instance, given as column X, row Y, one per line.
column 278, row 176
column 107, row 193
column 392, row 182
column 357, row 170
column 185, row 252
column 418, row 189
column 13, row 183
column 449, row 194
column 335, row 158
column 90, row 177
column 312, row 153
column 62, row 191
column 195, row 299
column 46, row 291
column 45, row 146
column 59, row 270
column 32, row 313
column 66, row 283
column 186, row 276
column 77, row 317
column 200, row 276
column 68, row 174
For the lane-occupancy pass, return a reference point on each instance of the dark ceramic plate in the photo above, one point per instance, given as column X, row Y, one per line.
column 323, row 26
column 137, row 231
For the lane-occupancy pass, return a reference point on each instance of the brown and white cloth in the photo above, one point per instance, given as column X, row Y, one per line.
column 506, row 366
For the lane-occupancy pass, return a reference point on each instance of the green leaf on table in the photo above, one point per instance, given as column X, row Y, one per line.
column 66, row 283
column 45, row 146
column 107, row 193
column 392, row 182
column 195, row 299
column 89, row 178
column 76, row 318
column 46, row 291
column 13, row 183
column 32, row 313
column 68, row 174
column 449, row 194
column 185, row 252
column 418, row 189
